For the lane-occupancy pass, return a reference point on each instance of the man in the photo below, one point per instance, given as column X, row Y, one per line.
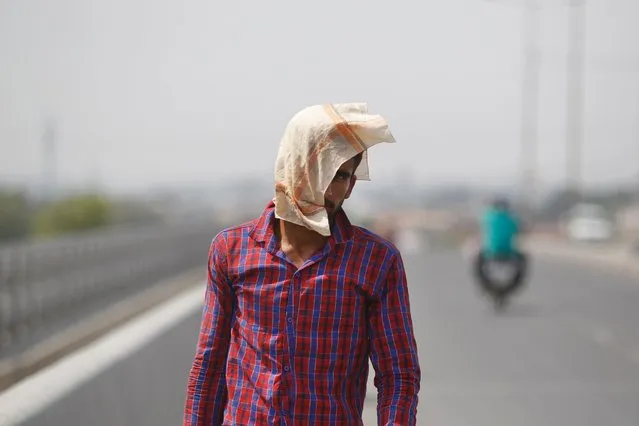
column 298, row 300
column 500, row 228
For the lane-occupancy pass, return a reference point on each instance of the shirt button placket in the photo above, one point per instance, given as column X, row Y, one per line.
column 285, row 408
column 295, row 281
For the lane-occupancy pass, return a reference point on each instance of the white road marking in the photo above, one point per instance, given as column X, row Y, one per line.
column 37, row 392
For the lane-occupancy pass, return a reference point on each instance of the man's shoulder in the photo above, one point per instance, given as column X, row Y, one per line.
column 235, row 232
column 363, row 236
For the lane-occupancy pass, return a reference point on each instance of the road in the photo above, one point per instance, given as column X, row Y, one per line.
column 565, row 353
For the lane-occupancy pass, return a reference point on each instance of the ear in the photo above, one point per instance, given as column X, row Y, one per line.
column 351, row 185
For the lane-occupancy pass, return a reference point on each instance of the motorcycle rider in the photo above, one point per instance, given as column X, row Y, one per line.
column 500, row 227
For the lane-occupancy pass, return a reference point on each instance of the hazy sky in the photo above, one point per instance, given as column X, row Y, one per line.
column 153, row 91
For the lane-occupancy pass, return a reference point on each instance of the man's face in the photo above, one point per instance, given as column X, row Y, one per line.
column 340, row 188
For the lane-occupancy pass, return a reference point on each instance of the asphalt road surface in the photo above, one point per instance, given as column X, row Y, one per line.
column 566, row 352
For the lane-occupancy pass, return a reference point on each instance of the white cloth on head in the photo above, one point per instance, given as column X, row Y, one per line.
column 316, row 142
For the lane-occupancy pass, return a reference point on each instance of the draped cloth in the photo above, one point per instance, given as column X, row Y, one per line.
column 316, row 142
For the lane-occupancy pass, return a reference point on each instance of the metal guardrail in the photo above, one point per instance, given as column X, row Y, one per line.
column 45, row 285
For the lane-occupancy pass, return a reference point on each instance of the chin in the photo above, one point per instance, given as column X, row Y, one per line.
column 332, row 213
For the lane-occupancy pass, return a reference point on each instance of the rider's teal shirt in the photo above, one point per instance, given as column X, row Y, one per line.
column 499, row 229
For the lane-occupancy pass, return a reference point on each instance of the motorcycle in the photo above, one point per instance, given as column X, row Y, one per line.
column 499, row 276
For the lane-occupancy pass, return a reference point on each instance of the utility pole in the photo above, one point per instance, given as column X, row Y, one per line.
column 575, row 95
column 530, row 104
column 49, row 159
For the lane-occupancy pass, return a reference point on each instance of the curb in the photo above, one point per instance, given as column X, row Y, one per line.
column 41, row 355
column 622, row 262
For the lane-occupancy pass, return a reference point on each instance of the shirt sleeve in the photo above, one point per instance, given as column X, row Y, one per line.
column 394, row 351
column 206, row 389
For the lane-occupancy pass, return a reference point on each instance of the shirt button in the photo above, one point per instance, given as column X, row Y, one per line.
column 290, row 320
column 286, row 368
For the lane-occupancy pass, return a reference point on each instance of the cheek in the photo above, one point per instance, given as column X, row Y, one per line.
column 338, row 190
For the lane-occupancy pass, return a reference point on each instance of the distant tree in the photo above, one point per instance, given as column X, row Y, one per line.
column 558, row 203
column 72, row 214
column 14, row 215
column 131, row 212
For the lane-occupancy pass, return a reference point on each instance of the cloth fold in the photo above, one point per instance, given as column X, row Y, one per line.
column 316, row 142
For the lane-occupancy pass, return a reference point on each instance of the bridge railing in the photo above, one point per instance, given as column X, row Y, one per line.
column 47, row 284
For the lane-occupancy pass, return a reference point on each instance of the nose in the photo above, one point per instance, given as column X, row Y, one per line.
column 329, row 191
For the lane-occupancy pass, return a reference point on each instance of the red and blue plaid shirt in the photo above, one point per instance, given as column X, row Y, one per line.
column 282, row 345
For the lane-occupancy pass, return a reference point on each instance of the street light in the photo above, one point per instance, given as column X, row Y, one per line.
column 529, row 121
column 530, row 97
column 575, row 94
column 530, row 103
column 49, row 159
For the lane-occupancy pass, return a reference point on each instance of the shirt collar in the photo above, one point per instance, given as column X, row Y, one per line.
column 341, row 231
